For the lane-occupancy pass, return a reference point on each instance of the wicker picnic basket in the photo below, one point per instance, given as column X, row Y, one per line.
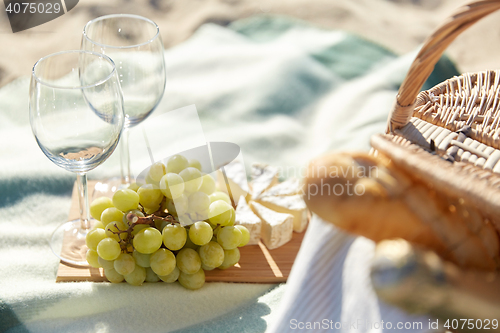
column 449, row 136
column 433, row 206
column 439, row 186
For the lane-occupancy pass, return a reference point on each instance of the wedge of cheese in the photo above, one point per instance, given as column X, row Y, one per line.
column 291, row 186
column 235, row 184
column 277, row 228
column 291, row 204
column 247, row 218
column 263, row 177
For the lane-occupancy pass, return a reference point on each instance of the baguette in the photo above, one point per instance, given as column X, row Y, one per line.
column 368, row 196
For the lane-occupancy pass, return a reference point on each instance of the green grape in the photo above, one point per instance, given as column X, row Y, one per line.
column 211, row 254
column 233, row 218
column 195, row 217
column 151, row 210
column 245, row 235
column 112, row 275
column 94, row 237
column 150, row 195
column 98, row 206
column 190, row 245
column 150, row 181
column 151, row 276
column 207, row 268
column 98, row 225
column 158, row 223
column 194, row 163
column 229, row 237
column 133, row 186
column 188, row 261
column 177, row 163
column 125, row 200
column 111, row 214
column 207, row 184
column 174, row 236
column 198, row 202
column 162, row 262
column 138, row 227
column 202, row 215
column 172, row 185
column 141, row 259
column 218, row 195
column 137, row 277
column 113, row 227
column 172, row 277
column 200, row 233
column 178, row 206
column 192, row 281
column 163, row 205
column 147, row 240
column 124, row 264
column 231, row 258
column 126, row 217
column 93, row 258
column 108, row 249
column 106, row 264
column 156, row 171
column 192, row 179
column 220, row 212
column 163, row 225
column 216, row 230
column 185, row 220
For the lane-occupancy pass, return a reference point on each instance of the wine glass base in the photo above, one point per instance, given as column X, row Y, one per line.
column 68, row 243
column 108, row 187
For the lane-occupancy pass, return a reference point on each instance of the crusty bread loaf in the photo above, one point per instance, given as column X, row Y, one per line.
column 369, row 196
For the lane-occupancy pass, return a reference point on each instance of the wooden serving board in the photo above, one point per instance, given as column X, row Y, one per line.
column 257, row 263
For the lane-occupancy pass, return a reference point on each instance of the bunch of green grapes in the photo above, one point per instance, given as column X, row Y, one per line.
column 173, row 228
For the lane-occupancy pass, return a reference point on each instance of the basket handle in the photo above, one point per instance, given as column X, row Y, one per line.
column 429, row 55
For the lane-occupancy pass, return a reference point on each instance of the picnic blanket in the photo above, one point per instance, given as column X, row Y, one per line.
column 284, row 91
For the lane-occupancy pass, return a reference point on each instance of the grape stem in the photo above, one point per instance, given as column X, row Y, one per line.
column 150, row 219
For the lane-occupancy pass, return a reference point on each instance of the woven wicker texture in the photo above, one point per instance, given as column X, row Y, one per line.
column 430, row 53
column 438, row 168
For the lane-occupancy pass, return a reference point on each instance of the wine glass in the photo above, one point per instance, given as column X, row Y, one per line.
column 135, row 45
column 76, row 115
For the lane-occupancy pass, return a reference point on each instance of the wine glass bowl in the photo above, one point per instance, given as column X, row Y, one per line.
column 135, row 45
column 76, row 115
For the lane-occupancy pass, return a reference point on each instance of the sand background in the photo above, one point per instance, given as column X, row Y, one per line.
column 400, row 25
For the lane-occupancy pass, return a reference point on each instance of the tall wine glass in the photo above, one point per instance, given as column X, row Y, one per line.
column 135, row 45
column 76, row 114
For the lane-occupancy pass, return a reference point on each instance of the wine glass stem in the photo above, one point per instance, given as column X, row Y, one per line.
column 125, row 157
column 83, row 200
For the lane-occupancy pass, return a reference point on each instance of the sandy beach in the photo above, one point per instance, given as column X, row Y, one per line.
column 400, row 25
